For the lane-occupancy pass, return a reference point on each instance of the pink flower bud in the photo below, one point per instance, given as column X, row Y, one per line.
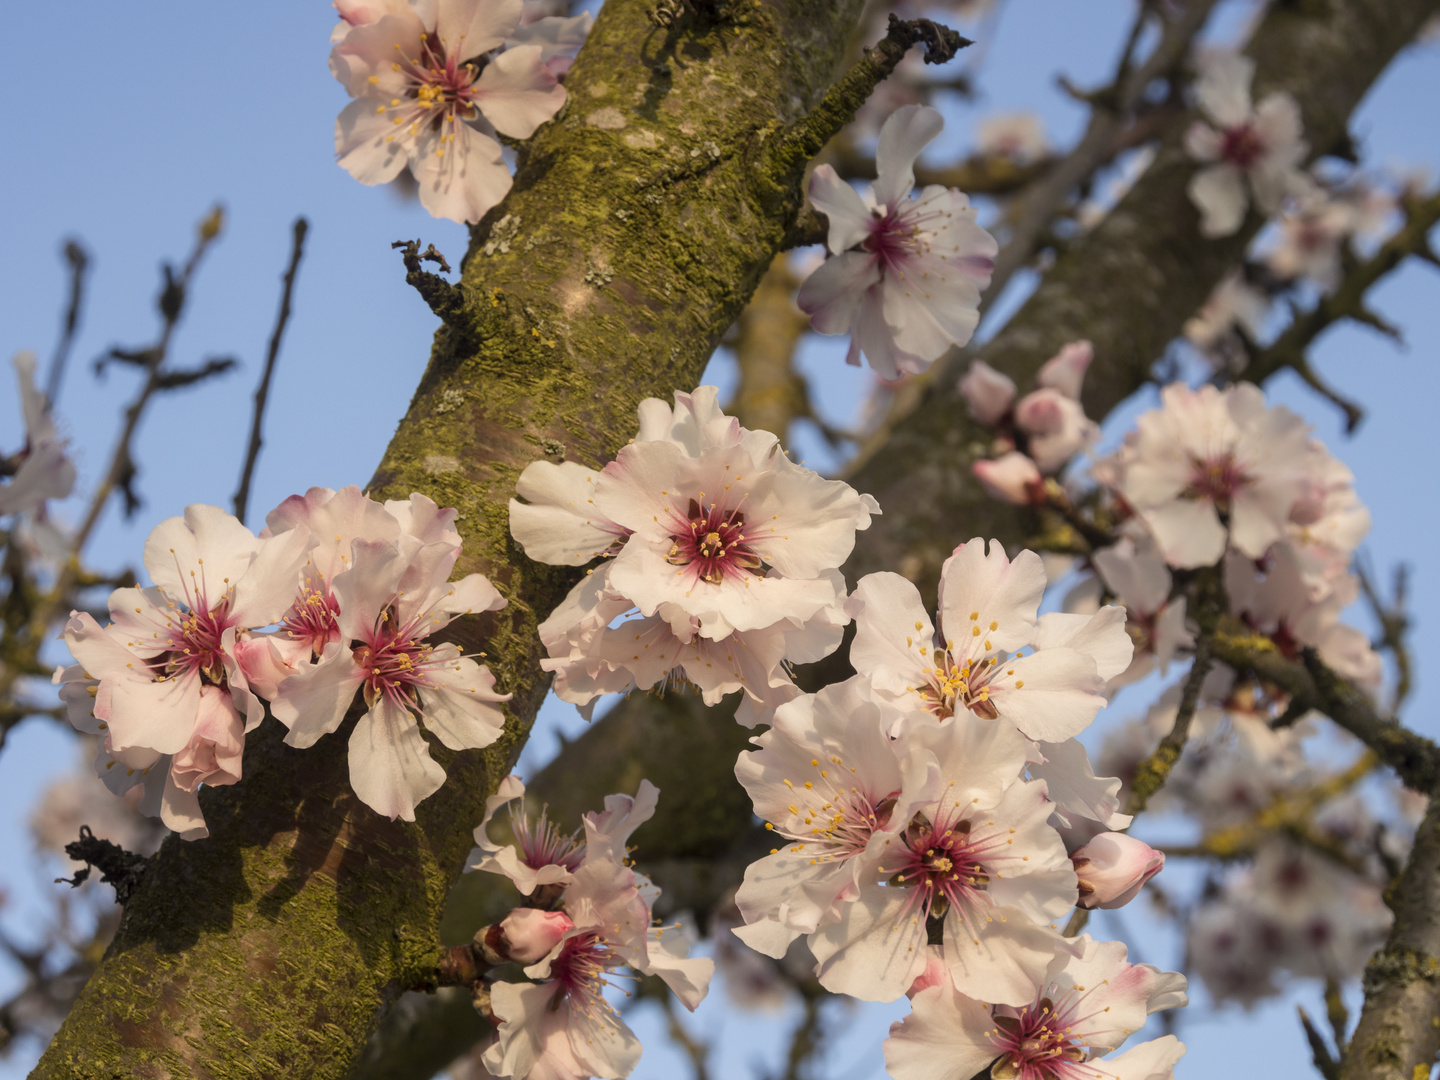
column 528, row 934
column 1012, row 478
column 936, row 973
column 1065, row 371
column 1112, row 868
column 987, row 393
column 1041, row 412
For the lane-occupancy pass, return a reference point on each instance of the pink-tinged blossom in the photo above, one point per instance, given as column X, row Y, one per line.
column 988, row 393
column 432, row 88
column 975, row 663
column 1065, row 371
column 1310, row 241
column 827, row 781
column 1084, row 1006
column 563, row 1026
column 42, row 468
column 1234, row 307
column 905, row 275
column 1018, row 137
column 1112, row 868
column 1084, row 804
column 1012, row 478
column 1055, row 426
column 541, row 854
column 1211, row 467
column 1249, row 146
column 1140, row 579
column 392, row 598
column 976, row 852
column 559, row 38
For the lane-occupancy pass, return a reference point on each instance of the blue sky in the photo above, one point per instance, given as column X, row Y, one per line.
column 183, row 105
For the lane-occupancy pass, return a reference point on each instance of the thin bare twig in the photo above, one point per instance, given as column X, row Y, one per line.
column 262, row 392
column 79, row 263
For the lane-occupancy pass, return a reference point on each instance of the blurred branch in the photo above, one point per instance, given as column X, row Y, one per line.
column 1348, row 301
column 1394, row 626
column 262, row 392
column 79, row 263
column 1328, row 1067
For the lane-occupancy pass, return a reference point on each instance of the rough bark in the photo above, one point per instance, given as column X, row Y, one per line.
column 639, row 223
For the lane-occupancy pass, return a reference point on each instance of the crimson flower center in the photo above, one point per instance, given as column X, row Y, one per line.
column 195, row 645
column 393, row 662
column 714, row 544
column 1217, row 480
column 1241, row 146
column 1037, row 1044
column 314, row 616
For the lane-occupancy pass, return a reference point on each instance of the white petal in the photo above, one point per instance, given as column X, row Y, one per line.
column 390, row 766
column 517, row 93
column 1219, row 194
column 844, row 209
column 905, row 133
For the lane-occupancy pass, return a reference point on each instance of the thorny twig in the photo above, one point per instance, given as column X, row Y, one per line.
column 262, row 392
column 1394, row 625
column 118, row 867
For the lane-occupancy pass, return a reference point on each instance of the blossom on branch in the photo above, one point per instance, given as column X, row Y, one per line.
column 904, row 275
column 1254, row 146
column 41, row 469
column 434, row 86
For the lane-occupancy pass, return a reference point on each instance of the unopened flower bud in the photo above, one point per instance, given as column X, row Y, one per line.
column 1012, row 478
column 987, row 393
column 528, row 934
column 1040, row 412
column 1065, row 371
column 1112, row 868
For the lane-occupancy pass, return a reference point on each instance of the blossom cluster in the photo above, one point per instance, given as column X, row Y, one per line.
column 1036, row 436
column 436, row 83
column 1308, row 898
column 904, row 274
column 720, row 559
column 586, row 914
column 353, row 589
column 941, row 797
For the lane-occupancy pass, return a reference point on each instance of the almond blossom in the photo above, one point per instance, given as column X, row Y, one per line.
column 905, row 275
column 392, row 597
column 433, row 88
column 168, row 691
column 1138, row 576
column 1112, row 868
column 41, row 469
column 1254, row 146
column 722, row 559
column 1212, row 467
column 563, row 1026
column 974, row 663
column 1085, row 1005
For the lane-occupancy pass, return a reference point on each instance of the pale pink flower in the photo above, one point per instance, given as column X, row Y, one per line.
column 432, row 90
column 1011, row 478
column 1112, row 868
column 559, row 37
column 1234, row 306
column 975, row 663
column 1211, row 467
column 977, row 852
column 827, row 781
column 213, row 579
column 905, row 275
column 1018, row 136
column 391, row 599
column 1055, row 426
column 541, row 854
column 1259, row 144
column 1139, row 577
column 1311, row 237
column 41, row 469
column 1065, row 371
column 988, row 393
column 1084, row 1006
column 1084, row 804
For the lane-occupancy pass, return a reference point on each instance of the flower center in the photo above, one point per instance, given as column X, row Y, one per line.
column 1038, row 1044
column 714, row 545
column 1241, row 146
column 580, row 969
column 195, row 645
column 1217, row 480
column 314, row 616
column 948, row 685
column 943, row 863
column 393, row 662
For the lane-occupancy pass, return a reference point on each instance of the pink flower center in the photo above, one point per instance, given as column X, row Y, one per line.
column 1241, row 146
column 313, row 617
column 836, row 817
column 542, row 844
column 440, row 90
column 195, row 643
column 580, row 969
column 1037, row 1043
column 1217, row 480
column 949, row 685
column 945, row 864
column 713, row 544
column 894, row 237
column 394, row 661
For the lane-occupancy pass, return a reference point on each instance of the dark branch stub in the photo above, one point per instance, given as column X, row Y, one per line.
column 941, row 43
column 443, row 298
column 118, row 867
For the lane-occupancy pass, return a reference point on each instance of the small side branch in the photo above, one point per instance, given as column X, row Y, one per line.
column 262, row 392
column 79, row 263
column 443, row 298
column 788, row 154
column 1327, row 1066
column 118, row 867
